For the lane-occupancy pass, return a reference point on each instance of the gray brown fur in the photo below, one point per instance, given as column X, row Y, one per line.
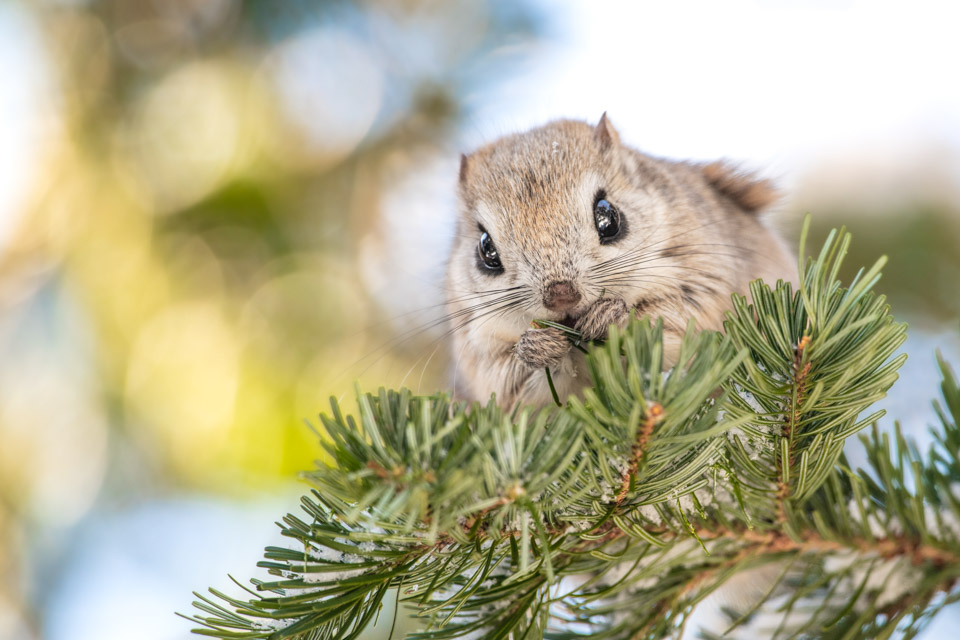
column 692, row 237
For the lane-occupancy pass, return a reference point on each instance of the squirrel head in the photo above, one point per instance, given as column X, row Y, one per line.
column 552, row 219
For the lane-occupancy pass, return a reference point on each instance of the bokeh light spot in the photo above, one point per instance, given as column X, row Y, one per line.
column 185, row 135
column 330, row 89
column 182, row 380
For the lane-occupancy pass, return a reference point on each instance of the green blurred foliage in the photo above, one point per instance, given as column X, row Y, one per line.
column 194, row 266
column 922, row 242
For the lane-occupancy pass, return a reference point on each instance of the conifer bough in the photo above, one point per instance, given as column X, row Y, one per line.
column 615, row 515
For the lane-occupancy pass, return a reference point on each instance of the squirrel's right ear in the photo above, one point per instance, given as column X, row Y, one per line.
column 743, row 188
column 605, row 134
column 464, row 161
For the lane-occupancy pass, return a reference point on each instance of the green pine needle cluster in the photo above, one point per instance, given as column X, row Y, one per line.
column 614, row 515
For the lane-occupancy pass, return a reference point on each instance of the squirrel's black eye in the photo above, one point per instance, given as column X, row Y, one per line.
column 607, row 218
column 488, row 253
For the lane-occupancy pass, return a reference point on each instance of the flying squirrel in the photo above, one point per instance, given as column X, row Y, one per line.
column 565, row 223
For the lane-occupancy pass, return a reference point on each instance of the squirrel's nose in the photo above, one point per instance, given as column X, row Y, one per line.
column 561, row 296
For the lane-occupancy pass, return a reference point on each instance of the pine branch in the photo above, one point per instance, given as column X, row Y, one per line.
column 615, row 515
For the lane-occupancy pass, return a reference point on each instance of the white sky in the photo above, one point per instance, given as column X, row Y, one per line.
column 779, row 83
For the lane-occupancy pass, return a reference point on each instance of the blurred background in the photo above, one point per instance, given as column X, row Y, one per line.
column 215, row 214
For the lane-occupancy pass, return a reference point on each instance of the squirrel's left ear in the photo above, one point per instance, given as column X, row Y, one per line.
column 605, row 134
column 744, row 189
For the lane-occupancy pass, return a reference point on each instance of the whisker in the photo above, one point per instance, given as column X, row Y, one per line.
column 647, row 247
column 653, row 279
column 488, row 315
column 709, row 274
column 641, row 257
column 382, row 349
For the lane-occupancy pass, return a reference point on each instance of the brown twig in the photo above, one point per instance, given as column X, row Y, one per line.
column 764, row 542
column 777, row 542
column 653, row 416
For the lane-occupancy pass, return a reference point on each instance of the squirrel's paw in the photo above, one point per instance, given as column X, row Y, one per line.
column 539, row 348
column 604, row 312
